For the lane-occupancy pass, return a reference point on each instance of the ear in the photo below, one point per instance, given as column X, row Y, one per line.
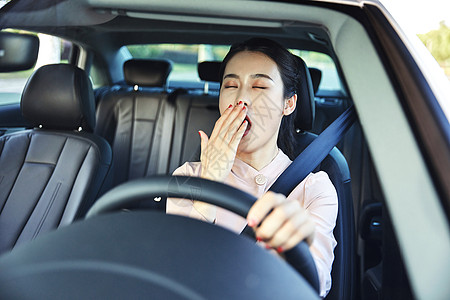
column 289, row 105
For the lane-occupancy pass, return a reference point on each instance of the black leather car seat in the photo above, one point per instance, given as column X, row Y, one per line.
column 51, row 175
column 137, row 120
column 195, row 110
column 335, row 165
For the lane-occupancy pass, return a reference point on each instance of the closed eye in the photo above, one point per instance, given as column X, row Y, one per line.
column 260, row 87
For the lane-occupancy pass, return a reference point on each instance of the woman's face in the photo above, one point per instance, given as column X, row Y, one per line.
column 253, row 77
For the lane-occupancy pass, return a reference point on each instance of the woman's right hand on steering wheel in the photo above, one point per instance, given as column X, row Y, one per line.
column 279, row 222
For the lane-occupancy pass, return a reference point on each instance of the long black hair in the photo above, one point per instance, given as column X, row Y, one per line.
column 288, row 66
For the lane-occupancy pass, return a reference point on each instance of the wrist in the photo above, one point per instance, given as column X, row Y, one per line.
column 207, row 211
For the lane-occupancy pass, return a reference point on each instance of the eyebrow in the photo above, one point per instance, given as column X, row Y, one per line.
column 261, row 76
column 253, row 76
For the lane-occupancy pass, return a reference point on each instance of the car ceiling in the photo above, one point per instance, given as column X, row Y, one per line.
column 112, row 23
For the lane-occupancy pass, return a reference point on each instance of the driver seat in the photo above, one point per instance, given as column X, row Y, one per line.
column 335, row 165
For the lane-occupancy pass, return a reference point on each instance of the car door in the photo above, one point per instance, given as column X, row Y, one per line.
column 404, row 237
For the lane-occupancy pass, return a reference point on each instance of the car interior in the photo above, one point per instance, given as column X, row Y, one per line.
column 105, row 117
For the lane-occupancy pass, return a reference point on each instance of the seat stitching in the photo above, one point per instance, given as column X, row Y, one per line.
column 75, row 179
column 40, row 196
column 72, row 135
column 40, row 163
column 130, row 146
column 17, row 175
column 186, row 121
column 3, row 140
column 172, row 138
column 145, row 120
column 150, row 150
column 47, row 210
column 168, row 129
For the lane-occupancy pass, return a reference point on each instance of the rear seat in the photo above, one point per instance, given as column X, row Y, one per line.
column 195, row 110
column 137, row 120
column 151, row 130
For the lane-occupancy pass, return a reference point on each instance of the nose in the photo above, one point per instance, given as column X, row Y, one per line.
column 244, row 97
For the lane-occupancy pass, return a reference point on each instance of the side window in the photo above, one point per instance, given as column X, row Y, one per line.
column 51, row 50
column 330, row 81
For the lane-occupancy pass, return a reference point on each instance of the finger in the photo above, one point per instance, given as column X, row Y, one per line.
column 231, row 123
column 289, row 228
column 306, row 232
column 203, row 140
column 236, row 131
column 220, row 121
column 272, row 223
column 237, row 137
column 236, row 124
column 262, row 207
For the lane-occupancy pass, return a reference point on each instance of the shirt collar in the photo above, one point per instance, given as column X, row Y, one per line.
column 247, row 173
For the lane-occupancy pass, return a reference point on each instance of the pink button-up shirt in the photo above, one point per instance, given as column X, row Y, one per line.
column 316, row 194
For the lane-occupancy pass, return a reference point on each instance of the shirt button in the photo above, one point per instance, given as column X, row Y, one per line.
column 260, row 179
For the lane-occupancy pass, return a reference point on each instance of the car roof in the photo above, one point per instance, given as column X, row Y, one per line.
column 92, row 22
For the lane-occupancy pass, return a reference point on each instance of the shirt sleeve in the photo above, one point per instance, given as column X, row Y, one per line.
column 187, row 207
column 320, row 200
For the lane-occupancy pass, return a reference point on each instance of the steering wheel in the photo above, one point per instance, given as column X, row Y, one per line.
column 142, row 254
column 204, row 190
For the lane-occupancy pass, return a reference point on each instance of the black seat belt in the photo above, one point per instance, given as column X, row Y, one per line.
column 311, row 157
column 314, row 154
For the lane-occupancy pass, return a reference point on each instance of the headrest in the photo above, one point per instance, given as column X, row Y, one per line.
column 316, row 77
column 147, row 72
column 209, row 71
column 59, row 96
column 305, row 100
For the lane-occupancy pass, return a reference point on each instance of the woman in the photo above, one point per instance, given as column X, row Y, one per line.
column 257, row 105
